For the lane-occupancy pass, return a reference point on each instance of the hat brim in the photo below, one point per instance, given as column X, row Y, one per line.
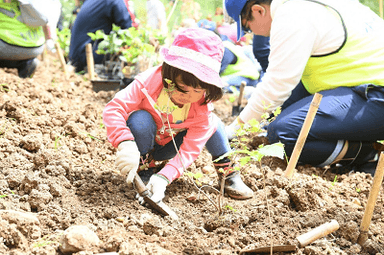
column 240, row 32
column 202, row 72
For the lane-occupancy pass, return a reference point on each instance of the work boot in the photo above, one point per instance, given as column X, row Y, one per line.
column 27, row 68
column 361, row 157
column 369, row 163
column 233, row 184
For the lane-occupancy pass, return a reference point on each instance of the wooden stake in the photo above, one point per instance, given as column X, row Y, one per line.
column 62, row 60
column 44, row 54
column 90, row 61
column 173, row 9
column 318, row 232
column 303, row 135
column 373, row 194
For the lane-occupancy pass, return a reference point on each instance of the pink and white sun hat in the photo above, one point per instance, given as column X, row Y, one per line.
column 197, row 51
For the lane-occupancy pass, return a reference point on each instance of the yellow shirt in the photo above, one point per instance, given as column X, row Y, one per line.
column 166, row 105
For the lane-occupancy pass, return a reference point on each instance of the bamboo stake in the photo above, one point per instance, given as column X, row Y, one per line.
column 318, row 232
column 90, row 61
column 44, row 54
column 173, row 9
column 373, row 194
column 62, row 60
column 303, row 135
column 381, row 8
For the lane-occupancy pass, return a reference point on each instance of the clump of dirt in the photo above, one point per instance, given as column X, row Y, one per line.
column 57, row 173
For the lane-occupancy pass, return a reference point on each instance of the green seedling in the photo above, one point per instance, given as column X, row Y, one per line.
column 47, row 240
column 57, row 144
column 228, row 207
column 195, row 176
column 334, row 182
column 166, row 109
column 4, row 87
column 64, row 40
column 102, row 126
column 6, row 195
column 91, row 136
column 94, row 138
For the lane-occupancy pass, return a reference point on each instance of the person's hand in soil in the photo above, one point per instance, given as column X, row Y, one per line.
column 156, row 185
column 232, row 129
column 128, row 159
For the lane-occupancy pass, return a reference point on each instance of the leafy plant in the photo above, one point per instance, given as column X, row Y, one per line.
column 127, row 45
column 110, row 43
column 130, row 43
column 64, row 40
column 195, row 176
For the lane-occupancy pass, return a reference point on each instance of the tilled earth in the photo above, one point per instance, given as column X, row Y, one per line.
column 60, row 192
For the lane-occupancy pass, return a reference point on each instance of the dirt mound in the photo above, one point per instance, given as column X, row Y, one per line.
column 57, row 174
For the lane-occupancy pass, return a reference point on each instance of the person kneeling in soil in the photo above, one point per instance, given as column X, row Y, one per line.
column 319, row 46
column 25, row 27
column 171, row 104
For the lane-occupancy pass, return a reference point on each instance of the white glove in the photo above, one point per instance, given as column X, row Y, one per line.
column 231, row 130
column 128, row 159
column 156, row 185
column 50, row 44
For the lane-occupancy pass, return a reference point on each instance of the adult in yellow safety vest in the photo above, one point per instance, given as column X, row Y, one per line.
column 22, row 34
column 335, row 48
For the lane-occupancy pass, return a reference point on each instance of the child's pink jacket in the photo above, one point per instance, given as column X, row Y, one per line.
column 142, row 94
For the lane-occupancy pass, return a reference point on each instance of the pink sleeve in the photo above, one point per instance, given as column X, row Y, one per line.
column 117, row 111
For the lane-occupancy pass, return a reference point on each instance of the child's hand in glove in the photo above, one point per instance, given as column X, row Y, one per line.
column 128, row 159
column 156, row 185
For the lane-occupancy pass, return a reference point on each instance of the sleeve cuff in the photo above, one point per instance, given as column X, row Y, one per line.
column 247, row 114
column 170, row 172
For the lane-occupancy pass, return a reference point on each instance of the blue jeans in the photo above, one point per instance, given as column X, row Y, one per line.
column 345, row 113
column 144, row 128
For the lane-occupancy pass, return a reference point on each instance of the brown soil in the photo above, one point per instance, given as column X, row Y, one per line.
column 57, row 164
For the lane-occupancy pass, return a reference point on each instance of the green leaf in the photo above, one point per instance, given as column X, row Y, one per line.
column 274, row 150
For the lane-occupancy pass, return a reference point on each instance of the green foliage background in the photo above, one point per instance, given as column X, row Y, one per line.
column 207, row 7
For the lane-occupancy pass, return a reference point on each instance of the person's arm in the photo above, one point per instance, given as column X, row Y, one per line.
column 120, row 15
column 261, row 50
column 117, row 111
column 292, row 42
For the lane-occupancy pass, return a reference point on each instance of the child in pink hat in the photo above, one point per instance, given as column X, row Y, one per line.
column 171, row 105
